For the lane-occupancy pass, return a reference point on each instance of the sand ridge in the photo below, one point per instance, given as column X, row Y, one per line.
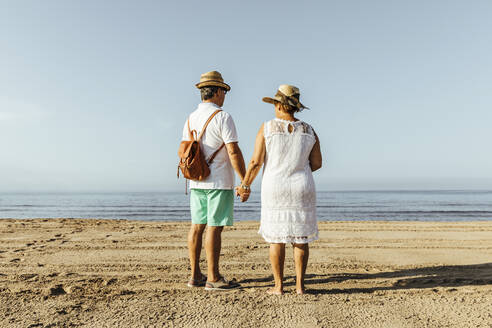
column 119, row 273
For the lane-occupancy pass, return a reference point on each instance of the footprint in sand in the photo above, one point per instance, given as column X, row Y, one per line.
column 126, row 292
column 28, row 276
column 34, row 325
column 110, row 282
column 55, row 291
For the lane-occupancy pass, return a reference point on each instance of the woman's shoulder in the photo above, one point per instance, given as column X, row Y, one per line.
column 307, row 128
column 272, row 126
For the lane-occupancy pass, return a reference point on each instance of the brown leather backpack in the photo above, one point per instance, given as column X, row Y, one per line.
column 192, row 162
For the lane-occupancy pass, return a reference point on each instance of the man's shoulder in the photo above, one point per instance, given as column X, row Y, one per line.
column 221, row 117
column 201, row 113
column 204, row 112
column 224, row 115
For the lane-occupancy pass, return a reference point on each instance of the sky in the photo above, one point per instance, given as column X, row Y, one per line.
column 94, row 94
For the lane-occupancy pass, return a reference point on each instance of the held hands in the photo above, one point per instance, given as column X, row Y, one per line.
column 243, row 193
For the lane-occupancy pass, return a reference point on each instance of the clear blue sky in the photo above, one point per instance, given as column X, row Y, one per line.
column 94, row 94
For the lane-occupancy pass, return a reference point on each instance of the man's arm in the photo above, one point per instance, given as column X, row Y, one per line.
column 236, row 158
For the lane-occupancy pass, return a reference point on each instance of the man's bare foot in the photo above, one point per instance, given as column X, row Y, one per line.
column 301, row 291
column 274, row 291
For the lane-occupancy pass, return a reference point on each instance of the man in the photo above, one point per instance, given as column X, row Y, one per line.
column 212, row 199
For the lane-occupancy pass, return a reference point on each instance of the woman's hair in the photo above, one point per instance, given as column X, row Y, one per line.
column 288, row 108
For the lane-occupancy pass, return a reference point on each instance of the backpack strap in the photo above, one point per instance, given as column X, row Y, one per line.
column 206, row 124
column 193, row 137
column 211, row 159
column 190, row 133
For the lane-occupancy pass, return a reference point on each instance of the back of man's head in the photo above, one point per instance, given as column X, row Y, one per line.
column 208, row 92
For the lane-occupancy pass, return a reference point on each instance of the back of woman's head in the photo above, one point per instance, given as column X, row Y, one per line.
column 289, row 109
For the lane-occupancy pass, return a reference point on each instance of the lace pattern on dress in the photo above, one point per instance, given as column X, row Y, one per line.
column 290, row 239
column 288, row 195
column 279, row 126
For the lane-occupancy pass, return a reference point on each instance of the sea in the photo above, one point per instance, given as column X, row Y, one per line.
column 435, row 205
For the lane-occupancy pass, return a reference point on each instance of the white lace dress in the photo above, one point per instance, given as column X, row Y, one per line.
column 288, row 194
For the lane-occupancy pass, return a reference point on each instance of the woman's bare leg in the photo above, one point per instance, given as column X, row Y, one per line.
column 301, row 256
column 277, row 259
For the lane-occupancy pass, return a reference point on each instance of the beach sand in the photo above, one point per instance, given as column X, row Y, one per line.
column 118, row 273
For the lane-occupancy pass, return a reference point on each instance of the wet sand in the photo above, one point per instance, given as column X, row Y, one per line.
column 118, row 273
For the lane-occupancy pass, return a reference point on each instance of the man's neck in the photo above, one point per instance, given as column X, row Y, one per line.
column 211, row 101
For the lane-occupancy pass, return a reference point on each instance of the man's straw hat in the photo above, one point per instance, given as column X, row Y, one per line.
column 212, row 78
column 286, row 94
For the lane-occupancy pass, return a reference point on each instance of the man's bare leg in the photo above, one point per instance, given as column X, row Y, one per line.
column 301, row 256
column 213, row 242
column 277, row 259
column 194, row 249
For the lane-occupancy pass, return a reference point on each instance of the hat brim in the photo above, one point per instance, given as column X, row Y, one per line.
column 274, row 101
column 270, row 100
column 213, row 84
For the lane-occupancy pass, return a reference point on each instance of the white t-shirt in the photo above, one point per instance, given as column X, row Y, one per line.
column 221, row 129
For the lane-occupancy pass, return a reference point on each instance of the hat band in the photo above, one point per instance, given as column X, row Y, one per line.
column 289, row 100
column 218, row 81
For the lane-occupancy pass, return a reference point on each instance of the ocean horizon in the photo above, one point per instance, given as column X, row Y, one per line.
column 386, row 205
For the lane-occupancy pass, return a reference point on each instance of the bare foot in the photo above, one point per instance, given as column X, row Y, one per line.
column 301, row 291
column 273, row 291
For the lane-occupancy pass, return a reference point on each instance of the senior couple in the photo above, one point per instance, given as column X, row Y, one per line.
column 288, row 150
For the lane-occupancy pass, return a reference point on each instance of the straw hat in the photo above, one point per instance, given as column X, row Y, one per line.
column 286, row 94
column 212, row 78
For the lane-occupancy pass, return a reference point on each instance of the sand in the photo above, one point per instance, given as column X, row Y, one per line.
column 118, row 273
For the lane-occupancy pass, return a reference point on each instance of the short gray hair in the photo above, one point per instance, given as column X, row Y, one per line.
column 208, row 92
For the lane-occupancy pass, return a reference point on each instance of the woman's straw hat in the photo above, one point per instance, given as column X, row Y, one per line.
column 286, row 94
column 212, row 78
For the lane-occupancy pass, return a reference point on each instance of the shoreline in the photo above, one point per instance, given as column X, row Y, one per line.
column 127, row 273
column 474, row 220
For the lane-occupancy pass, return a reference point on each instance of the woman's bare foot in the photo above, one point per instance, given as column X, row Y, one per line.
column 301, row 291
column 275, row 291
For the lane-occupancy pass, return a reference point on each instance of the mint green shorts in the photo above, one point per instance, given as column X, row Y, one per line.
column 214, row 207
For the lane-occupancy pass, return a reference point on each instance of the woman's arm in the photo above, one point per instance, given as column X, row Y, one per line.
column 254, row 165
column 315, row 155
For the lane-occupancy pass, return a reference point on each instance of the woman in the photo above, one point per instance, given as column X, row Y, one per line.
column 290, row 150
